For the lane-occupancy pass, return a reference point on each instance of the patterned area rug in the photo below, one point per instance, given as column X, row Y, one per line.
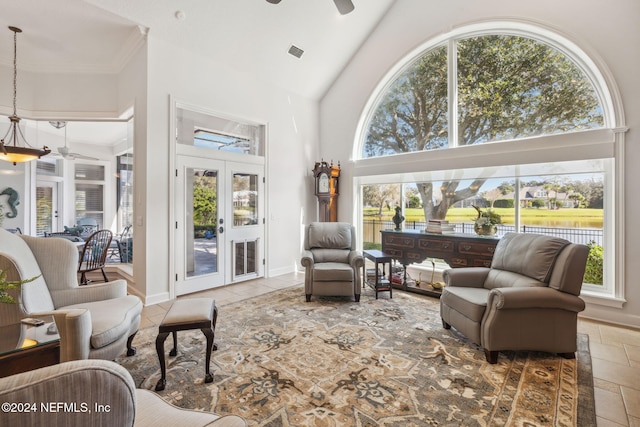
column 386, row 362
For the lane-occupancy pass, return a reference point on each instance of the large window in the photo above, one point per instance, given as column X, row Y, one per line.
column 89, row 192
column 506, row 87
column 569, row 204
column 497, row 113
column 124, row 203
column 218, row 133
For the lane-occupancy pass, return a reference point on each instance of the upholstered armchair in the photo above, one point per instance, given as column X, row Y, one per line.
column 94, row 321
column 103, row 393
column 527, row 300
column 332, row 265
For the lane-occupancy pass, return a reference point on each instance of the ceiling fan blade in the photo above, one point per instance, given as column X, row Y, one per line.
column 344, row 6
column 82, row 156
column 64, row 152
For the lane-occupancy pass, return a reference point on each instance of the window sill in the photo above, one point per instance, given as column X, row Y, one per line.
column 602, row 299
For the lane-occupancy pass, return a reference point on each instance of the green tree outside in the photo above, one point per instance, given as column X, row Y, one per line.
column 508, row 87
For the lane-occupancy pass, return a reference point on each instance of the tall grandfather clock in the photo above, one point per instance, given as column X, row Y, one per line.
column 326, row 179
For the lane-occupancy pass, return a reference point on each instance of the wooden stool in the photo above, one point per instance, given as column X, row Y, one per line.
column 193, row 313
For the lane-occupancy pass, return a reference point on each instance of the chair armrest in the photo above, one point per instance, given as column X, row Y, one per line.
column 89, row 293
column 307, row 259
column 534, row 297
column 356, row 260
column 74, row 328
column 468, row 277
column 153, row 411
column 80, row 383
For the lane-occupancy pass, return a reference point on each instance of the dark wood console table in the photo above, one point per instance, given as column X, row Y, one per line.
column 457, row 250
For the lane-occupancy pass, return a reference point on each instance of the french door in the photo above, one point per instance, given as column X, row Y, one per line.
column 47, row 206
column 219, row 223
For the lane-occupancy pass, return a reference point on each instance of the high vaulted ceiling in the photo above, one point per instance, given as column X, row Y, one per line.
column 252, row 35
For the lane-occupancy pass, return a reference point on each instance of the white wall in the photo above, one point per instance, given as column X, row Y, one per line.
column 291, row 150
column 603, row 29
column 14, row 177
column 156, row 72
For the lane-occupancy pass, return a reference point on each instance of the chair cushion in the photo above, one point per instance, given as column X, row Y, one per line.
column 331, row 255
column 110, row 319
column 508, row 279
column 470, row 302
column 191, row 310
column 530, row 254
column 332, row 272
column 330, row 235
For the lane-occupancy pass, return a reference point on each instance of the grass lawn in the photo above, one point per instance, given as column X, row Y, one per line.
column 591, row 218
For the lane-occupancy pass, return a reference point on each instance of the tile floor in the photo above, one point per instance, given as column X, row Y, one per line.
column 615, row 350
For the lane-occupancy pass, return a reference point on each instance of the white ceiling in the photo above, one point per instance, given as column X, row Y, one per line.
column 252, row 35
column 99, row 36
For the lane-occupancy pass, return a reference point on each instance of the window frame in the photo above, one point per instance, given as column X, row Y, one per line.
column 605, row 142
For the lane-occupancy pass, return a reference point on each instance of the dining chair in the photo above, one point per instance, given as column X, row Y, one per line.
column 94, row 254
column 118, row 247
column 88, row 226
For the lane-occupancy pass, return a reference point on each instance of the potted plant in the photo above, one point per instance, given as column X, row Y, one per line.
column 6, row 285
column 486, row 223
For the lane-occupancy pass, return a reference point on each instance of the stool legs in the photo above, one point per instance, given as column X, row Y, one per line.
column 209, row 333
column 174, row 350
column 162, row 382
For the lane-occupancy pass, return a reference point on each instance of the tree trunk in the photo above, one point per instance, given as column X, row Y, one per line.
column 450, row 196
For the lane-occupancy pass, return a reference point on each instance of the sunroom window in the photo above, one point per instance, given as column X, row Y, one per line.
column 497, row 113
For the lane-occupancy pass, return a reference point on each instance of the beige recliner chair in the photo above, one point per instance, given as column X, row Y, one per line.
column 94, row 321
column 332, row 265
column 95, row 393
column 527, row 300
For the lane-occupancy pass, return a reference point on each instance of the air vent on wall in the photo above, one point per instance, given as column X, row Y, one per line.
column 295, row 51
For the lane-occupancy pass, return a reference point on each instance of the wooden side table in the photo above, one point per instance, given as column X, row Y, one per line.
column 380, row 283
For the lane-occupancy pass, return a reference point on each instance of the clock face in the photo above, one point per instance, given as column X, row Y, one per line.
column 323, row 183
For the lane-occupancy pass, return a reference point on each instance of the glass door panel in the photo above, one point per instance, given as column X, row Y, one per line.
column 199, row 225
column 202, row 253
column 247, row 208
column 245, row 199
column 46, row 208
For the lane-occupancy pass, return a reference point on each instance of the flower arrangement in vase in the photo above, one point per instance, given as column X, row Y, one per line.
column 486, row 223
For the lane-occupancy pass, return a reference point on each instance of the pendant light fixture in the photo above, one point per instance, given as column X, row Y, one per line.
column 10, row 151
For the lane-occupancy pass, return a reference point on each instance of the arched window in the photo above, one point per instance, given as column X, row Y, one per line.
column 504, row 115
column 506, row 87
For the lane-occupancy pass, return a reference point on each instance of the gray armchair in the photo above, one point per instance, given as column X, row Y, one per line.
column 94, row 321
column 103, row 393
column 527, row 300
column 332, row 265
